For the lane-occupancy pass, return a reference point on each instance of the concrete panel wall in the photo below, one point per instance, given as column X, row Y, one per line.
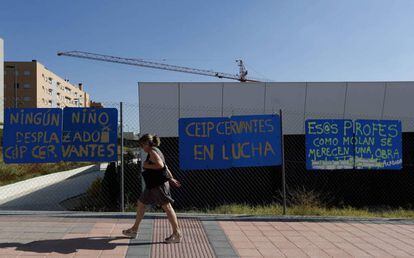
column 243, row 98
column 399, row 103
column 325, row 100
column 365, row 100
column 159, row 110
column 201, row 99
column 290, row 97
column 299, row 101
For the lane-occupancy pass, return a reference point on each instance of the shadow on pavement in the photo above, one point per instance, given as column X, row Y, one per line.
column 72, row 245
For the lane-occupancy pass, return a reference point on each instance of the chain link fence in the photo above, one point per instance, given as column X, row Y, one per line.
column 203, row 189
column 101, row 187
column 40, row 186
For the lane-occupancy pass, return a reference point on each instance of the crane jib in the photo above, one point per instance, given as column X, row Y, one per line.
column 150, row 64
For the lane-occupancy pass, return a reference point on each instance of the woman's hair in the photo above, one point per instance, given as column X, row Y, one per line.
column 151, row 140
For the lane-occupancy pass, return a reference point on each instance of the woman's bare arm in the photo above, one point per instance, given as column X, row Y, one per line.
column 169, row 174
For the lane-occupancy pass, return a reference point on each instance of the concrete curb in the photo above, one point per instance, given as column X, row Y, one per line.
column 218, row 240
column 224, row 217
column 141, row 245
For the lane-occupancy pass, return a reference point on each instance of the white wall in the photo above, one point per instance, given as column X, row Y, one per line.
column 161, row 104
column 198, row 99
column 1, row 81
column 325, row 100
column 365, row 100
column 289, row 96
column 159, row 109
column 243, row 98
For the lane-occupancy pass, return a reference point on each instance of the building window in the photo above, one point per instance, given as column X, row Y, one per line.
column 27, row 73
column 26, row 85
column 17, row 73
column 27, row 98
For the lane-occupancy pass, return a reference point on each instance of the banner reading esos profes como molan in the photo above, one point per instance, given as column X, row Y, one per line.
column 40, row 135
column 239, row 141
column 329, row 144
column 346, row 144
column 378, row 144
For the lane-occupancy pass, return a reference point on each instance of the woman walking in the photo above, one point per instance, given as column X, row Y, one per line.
column 157, row 179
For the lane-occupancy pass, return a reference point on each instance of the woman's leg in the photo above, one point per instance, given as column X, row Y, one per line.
column 139, row 216
column 172, row 217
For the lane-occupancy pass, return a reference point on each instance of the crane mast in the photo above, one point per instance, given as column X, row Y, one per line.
column 144, row 63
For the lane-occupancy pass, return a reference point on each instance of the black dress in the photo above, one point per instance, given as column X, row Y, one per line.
column 158, row 194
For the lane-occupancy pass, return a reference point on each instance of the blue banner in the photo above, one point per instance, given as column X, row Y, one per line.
column 378, row 144
column 32, row 135
column 202, row 141
column 90, row 134
column 242, row 141
column 329, row 144
column 256, row 141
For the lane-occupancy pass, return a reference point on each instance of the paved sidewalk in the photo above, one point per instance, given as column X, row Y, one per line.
column 321, row 239
column 99, row 235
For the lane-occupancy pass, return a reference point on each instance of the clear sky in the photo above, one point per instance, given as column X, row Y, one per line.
column 281, row 40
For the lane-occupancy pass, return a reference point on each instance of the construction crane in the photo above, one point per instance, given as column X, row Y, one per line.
column 241, row 76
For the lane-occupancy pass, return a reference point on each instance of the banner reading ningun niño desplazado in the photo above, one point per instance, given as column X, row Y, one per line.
column 239, row 141
column 40, row 135
column 89, row 134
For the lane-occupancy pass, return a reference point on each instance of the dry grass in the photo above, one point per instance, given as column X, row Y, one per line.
column 304, row 210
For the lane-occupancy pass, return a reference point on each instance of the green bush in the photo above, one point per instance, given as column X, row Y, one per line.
column 109, row 188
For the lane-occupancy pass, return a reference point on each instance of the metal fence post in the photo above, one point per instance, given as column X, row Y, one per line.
column 122, row 159
column 283, row 161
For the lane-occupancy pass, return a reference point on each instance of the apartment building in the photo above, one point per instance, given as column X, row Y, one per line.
column 32, row 85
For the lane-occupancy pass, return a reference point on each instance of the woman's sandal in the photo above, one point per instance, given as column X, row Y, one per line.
column 130, row 232
column 174, row 238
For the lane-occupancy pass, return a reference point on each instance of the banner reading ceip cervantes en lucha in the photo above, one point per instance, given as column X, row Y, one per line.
column 239, row 141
